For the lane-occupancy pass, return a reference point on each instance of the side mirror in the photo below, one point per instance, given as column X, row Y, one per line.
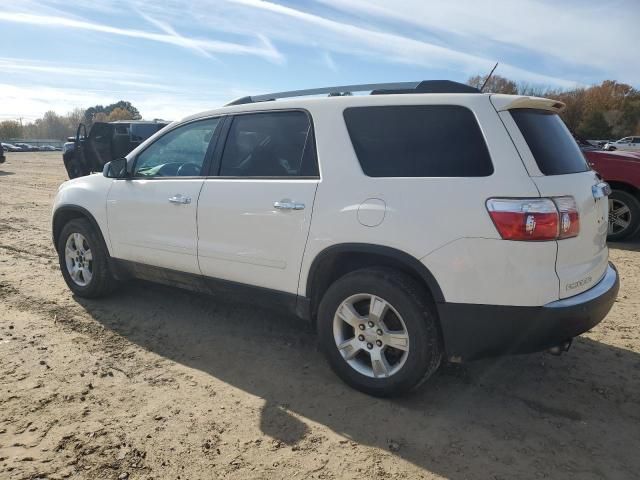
column 116, row 168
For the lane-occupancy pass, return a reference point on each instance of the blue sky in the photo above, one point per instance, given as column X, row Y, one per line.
column 172, row 58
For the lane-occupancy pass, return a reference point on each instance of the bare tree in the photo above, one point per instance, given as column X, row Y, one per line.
column 496, row 84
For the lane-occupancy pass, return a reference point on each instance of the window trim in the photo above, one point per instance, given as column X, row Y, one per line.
column 475, row 117
column 216, row 164
column 207, row 156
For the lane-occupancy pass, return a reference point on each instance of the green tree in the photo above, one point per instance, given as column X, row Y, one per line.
column 629, row 123
column 100, row 113
column 124, row 105
column 594, row 126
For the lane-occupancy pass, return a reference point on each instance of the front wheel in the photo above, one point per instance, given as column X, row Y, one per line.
column 379, row 332
column 624, row 215
column 83, row 260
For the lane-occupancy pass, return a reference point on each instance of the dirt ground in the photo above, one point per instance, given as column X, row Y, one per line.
column 155, row 383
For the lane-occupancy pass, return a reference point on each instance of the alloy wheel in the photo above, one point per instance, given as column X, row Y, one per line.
column 79, row 259
column 619, row 216
column 371, row 335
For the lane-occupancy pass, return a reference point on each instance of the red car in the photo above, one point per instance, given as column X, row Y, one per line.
column 621, row 170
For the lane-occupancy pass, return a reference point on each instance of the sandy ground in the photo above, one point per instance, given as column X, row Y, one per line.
column 164, row 384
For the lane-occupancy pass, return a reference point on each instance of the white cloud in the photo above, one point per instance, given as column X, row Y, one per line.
column 31, row 101
column 19, row 65
column 594, row 35
column 329, row 62
column 297, row 26
column 460, row 37
column 169, row 30
column 264, row 49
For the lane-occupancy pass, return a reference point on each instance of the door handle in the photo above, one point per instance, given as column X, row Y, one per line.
column 288, row 205
column 180, row 199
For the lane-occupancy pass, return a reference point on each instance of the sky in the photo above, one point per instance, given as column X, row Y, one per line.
column 173, row 58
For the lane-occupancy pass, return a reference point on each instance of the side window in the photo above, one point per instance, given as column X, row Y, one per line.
column 179, row 153
column 418, row 141
column 550, row 141
column 270, row 144
column 101, row 133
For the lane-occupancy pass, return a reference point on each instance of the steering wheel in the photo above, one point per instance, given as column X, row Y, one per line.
column 188, row 170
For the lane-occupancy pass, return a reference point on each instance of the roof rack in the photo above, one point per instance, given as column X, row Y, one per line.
column 425, row 86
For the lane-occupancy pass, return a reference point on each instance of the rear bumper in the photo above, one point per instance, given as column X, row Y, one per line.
column 472, row 331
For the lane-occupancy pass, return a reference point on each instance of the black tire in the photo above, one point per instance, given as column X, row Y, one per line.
column 633, row 204
column 411, row 302
column 72, row 171
column 102, row 280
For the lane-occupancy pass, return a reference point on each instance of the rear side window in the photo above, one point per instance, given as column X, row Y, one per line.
column 270, row 144
column 101, row 133
column 550, row 142
column 142, row 131
column 418, row 141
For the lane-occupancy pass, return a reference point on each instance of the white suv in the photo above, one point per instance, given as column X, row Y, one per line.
column 423, row 222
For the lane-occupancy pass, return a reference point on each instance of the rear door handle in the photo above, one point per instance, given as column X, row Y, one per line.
column 180, row 199
column 288, row 205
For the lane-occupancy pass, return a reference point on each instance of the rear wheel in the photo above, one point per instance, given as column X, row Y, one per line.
column 84, row 260
column 624, row 215
column 379, row 332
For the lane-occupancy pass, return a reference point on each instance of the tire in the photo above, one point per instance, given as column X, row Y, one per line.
column 99, row 281
column 408, row 310
column 72, row 170
column 628, row 207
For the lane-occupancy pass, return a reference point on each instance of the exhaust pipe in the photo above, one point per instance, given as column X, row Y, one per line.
column 560, row 349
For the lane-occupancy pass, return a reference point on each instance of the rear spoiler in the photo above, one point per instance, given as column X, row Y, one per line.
column 510, row 102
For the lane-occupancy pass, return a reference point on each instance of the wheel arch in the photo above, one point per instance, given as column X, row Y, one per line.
column 65, row 214
column 337, row 260
column 625, row 187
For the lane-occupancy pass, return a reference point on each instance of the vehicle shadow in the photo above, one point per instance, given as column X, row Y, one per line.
column 629, row 245
column 535, row 416
column 5, row 173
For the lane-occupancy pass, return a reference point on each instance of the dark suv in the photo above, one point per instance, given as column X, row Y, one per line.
column 85, row 154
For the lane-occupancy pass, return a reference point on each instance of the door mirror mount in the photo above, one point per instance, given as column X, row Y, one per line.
column 116, row 168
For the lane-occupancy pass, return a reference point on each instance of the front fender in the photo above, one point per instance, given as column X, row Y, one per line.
column 83, row 197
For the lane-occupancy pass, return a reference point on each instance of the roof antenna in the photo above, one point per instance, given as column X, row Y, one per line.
column 488, row 77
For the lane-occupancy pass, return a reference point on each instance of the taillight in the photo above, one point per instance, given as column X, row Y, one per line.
column 569, row 224
column 534, row 218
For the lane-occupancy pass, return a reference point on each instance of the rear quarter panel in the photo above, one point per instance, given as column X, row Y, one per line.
column 442, row 221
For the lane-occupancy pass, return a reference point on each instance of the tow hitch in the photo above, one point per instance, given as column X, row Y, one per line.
column 560, row 349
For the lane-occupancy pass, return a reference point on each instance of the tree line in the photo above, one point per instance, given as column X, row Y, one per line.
column 610, row 110
column 58, row 127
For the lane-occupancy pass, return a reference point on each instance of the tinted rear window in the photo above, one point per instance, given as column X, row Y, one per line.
column 418, row 141
column 550, row 142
